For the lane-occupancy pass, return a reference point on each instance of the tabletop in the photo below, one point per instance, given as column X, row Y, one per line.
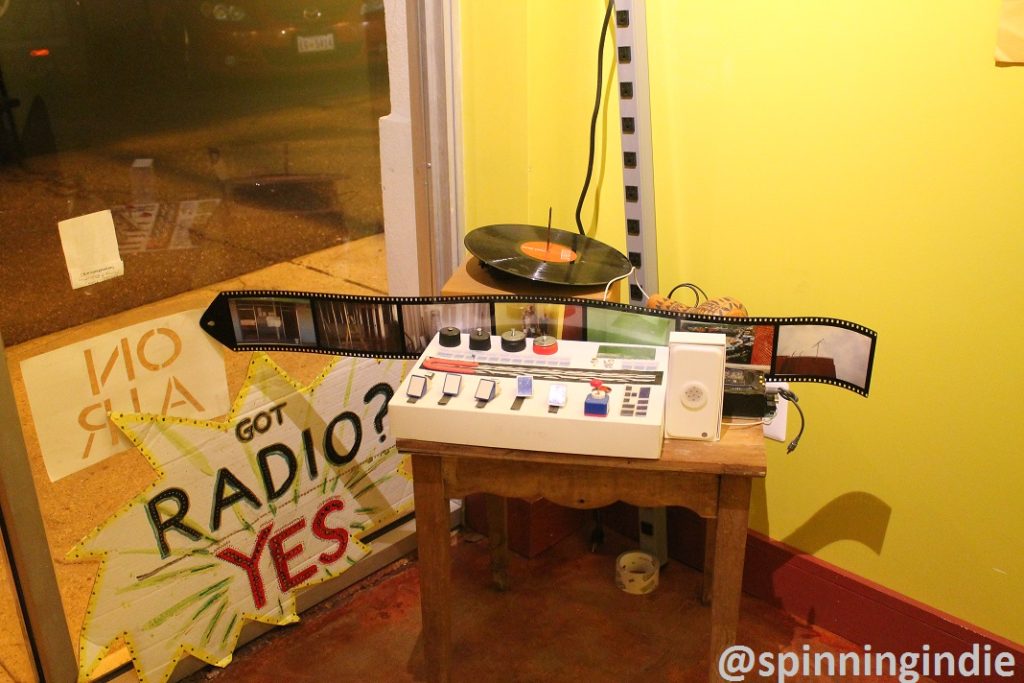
column 741, row 452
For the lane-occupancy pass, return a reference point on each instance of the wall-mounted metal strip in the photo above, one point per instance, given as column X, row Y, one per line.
column 630, row 22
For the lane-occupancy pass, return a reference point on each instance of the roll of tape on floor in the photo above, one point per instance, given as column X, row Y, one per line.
column 636, row 572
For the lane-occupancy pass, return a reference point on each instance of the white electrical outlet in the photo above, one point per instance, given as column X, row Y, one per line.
column 777, row 429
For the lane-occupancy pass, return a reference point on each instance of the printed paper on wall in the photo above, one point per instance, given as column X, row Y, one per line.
column 1010, row 37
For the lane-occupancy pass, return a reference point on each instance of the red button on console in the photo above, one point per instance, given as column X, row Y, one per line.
column 545, row 345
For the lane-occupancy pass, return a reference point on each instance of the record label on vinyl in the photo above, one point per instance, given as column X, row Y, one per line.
column 552, row 253
column 547, row 255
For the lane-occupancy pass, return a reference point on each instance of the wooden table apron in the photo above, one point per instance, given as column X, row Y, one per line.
column 713, row 480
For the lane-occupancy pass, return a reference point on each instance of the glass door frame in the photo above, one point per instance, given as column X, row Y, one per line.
column 28, row 552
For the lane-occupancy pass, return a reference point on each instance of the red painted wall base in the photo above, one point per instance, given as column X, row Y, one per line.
column 859, row 610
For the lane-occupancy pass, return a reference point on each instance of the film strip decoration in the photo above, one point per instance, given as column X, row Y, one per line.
column 808, row 349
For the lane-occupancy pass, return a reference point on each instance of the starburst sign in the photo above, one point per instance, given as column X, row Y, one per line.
column 246, row 512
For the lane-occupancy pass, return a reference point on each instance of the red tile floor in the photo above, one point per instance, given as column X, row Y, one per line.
column 562, row 620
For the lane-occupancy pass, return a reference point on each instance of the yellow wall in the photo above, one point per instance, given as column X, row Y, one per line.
column 525, row 132
column 494, row 111
column 863, row 160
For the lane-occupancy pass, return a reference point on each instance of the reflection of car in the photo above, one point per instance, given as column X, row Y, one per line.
column 267, row 36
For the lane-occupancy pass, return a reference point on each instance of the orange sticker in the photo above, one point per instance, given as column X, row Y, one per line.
column 553, row 253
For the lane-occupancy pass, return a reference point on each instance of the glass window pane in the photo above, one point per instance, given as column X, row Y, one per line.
column 230, row 145
column 220, row 145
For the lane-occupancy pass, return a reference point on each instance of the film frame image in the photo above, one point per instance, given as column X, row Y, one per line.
column 829, row 352
column 420, row 322
column 361, row 326
column 746, row 343
column 534, row 319
column 625, row 327
column 272, row 320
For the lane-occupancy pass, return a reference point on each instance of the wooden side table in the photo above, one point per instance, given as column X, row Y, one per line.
column 712, row 479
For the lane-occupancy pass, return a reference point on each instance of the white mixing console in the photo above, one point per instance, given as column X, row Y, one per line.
column 536, row 394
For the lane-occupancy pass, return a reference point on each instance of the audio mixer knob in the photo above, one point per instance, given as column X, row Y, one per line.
column 449, row 336
column 545, row 345
column 513, row 341
column 480, row 340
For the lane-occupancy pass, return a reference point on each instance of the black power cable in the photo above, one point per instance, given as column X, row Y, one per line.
column 697, row 291
column 597, row 533
column 593, row 117
column 792, row 398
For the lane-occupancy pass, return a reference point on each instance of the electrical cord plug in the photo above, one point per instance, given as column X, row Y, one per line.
column 795, row 400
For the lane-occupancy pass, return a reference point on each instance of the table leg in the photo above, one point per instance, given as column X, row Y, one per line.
column 727, row 577
column 433, row 541
column 710, row 529
column 497, row 533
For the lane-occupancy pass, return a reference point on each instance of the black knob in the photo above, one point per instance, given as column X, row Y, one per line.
column 449, row 336
column 513, row 341
column 480, row 340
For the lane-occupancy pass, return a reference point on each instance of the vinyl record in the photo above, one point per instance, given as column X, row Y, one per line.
column 568, row 258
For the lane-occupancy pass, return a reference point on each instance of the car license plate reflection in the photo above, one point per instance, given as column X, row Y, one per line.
column 322, row 43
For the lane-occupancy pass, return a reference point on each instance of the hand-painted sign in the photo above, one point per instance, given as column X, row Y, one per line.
column 246, row 513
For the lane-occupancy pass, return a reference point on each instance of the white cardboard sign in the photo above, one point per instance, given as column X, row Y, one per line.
column 167, row 366
column 90, row 248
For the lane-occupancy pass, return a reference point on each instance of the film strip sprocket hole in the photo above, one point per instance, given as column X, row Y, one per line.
column 822, row 350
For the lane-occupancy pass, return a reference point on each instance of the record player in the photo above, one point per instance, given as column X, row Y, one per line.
column 547, row 255
column 475, row 276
